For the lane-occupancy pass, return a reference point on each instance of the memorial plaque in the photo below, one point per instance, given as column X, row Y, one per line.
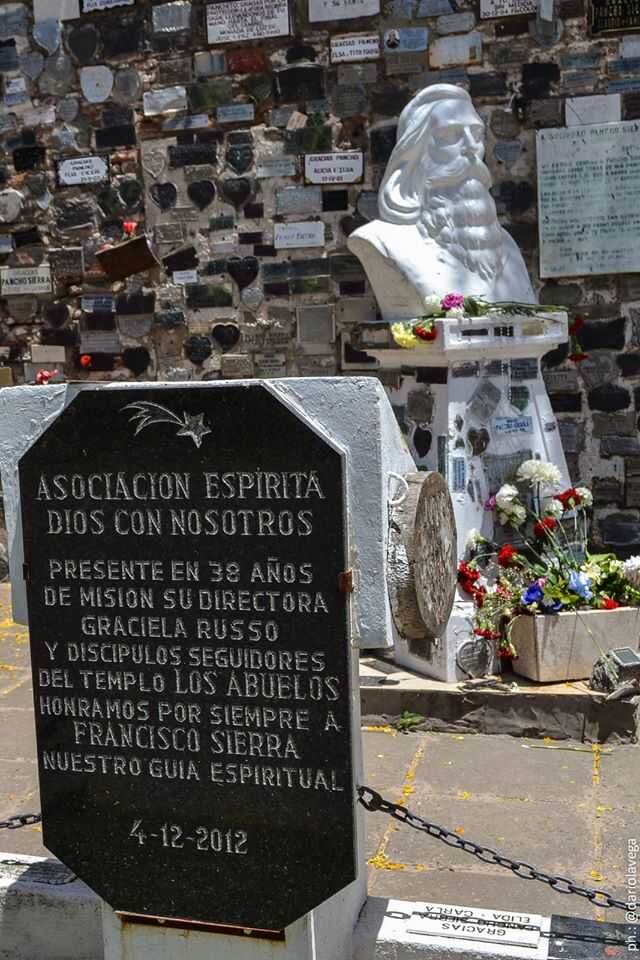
column 334, row 167
column 482, row 926
column 506, row 8
column 358, row 46
column 190, row 651
column 606, row 16
column 300, row 234
column 18, row 280
column 588, row 191
column 298, row 200
column 461, row 49
column 230, row 21
column 323, row 10
column 88, row 6
column 77, row 170
column 276, row 166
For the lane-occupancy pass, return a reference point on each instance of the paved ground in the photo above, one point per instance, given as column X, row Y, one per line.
column 565, row 807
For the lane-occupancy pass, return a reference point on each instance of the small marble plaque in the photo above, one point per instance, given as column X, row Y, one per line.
column 298, row 234
column 89, row 6
column 76, row 170
column 231, row 21
column 171, row 17
column 236, row 113
column 18, row 280
column 361, row 73
column 316, row 326
column 298, row 200
column 406, row 40
column 450, row 51
column 456, row 23
column 270, row 364
column 236, row 366
column 55, row 10
column 357, row 46
column 597, row 109
column 334, row 167
column 275, row 167
column 321, row 11
column 506, row 8
column 164, row 100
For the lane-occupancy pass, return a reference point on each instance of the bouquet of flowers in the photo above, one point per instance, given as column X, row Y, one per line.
column 455, row 306
column 548, row 568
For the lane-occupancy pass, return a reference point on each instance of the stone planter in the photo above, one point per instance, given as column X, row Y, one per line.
column 565, row 646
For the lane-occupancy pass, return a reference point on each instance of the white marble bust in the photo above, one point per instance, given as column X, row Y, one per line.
column 438, row 230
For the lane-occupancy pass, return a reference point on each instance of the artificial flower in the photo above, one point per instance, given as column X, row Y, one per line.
column 426, row 332
column 455, row 313
column 85, row 360
column 578, row 357
column 539, row 472
column 586, row 497
column 474, row 539
column 544, row 527
column 507, row 556
column 579, row 583
column 552, row 508
column 515, row 514
column 631, row 571
column 490, row 503
column 609, row 604
column 432, row 304
column 576, row 325
column 453, row 301
column 533, row 594
column 403, row 336
column 593, row 571
column 43, row 376
column 551, row 606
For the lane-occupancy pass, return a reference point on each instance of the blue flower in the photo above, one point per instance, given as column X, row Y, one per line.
column 552, row 606
column 579, row 583
column 533, row 594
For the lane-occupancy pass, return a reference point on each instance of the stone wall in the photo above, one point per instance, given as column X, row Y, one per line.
column 202, row 148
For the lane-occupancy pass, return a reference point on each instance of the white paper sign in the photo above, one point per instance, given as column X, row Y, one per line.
column 506, row 8
column 334, row 167
column 183, row 277
column 88, row 6
column 17, row 280
column 230, row 21
column 82, row 170
column 485, row 926
column 322, row 10
column 358, row 46
column 589, row 199
column 298, row 234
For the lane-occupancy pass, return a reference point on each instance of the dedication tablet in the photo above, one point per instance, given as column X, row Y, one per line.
column 190, row 651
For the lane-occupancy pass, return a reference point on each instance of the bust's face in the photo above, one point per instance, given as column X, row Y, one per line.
column 454, row 137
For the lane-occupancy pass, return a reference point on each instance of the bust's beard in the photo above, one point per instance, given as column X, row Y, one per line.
column 460, row 215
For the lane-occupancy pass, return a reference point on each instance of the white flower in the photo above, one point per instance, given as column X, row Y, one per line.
column 552, row 508
column 631, row 571
column 593, row 571
column 506, row 495
column 432, row 304
column 513, row 513
column 474, row 538
column 539, row 471
column 586, row 497
column 455, row 313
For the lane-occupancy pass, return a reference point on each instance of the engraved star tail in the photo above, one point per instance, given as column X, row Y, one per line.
column 147, row 413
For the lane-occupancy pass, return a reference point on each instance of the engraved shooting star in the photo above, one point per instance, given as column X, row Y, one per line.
column 148, row 413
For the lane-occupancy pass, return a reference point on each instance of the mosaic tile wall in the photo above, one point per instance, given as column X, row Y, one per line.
column 168, row 210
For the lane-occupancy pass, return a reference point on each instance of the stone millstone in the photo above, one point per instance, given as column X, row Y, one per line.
column 422, row 558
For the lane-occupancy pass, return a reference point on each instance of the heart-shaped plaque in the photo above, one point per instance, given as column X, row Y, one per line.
column 56, row 314
column 519, row 397
column 83, row 43
column 422, row 441
column 243, row 270
column 130, row 191
column 154, row 161
column 236, row 190
column 226, row 335
column 201, row 193
column 478, row 440
column 164, row 195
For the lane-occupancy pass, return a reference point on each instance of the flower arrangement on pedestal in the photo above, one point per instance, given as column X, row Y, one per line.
column 548, row 568
column 455, row 306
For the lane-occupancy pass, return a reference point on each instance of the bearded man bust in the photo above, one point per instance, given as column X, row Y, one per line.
column 438, row 230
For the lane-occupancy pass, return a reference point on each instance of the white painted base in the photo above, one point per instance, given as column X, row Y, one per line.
column 438, row 659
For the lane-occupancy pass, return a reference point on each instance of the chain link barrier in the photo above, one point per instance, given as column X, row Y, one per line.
column 373, row 801
column 20, row 820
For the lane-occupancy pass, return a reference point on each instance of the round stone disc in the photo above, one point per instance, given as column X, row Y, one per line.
column 434, row 552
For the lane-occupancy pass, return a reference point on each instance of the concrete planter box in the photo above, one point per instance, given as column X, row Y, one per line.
column 565, row 646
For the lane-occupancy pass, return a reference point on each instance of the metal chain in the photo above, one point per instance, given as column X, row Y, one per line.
column 372, row 800
column 20, row 820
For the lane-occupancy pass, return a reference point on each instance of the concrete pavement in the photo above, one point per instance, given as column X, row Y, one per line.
column 565, row 807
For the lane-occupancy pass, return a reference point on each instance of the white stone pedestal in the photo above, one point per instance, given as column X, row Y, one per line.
column 480, row 405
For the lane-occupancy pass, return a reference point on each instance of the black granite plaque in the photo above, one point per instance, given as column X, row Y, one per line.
column 608, row 17
column 190, row 652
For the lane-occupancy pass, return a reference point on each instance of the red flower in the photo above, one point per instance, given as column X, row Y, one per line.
column 544, row 527
column 609, row 604
column 43, row 376
column 578, row 324
column 426, row 333
column 569, row 499
column 466, row 572
column 578, row 357
column 507, row 555
column 488, row 634
column 129, row 227
column 85, row 360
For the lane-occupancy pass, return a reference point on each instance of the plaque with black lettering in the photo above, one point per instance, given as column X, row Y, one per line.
column 190, row 652
column 620, row 16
